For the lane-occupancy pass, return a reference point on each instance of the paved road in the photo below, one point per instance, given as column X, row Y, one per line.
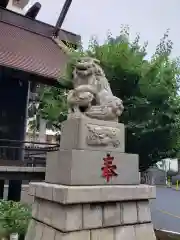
column 166, row 209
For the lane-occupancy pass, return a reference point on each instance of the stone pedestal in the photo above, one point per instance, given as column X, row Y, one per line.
column 78, row 202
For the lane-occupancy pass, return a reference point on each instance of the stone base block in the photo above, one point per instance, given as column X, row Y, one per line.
column 91, row 134
column 40, row 231
column 74, row 217
column 84, row 167
column 91, row 194
column 94, row 213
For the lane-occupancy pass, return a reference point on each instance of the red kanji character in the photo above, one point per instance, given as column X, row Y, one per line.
column 108, row 170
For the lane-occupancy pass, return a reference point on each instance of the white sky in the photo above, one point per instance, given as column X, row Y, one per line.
column 150, row 18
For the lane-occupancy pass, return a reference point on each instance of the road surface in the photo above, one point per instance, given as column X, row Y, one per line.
column 165, row 209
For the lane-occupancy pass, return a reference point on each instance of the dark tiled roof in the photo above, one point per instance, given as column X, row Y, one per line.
column 36, row 26
column 24, row 50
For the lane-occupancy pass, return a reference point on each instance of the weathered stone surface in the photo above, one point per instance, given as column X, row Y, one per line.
column 60, row 192
column 78, row 235
column 58, row 216
column 125, row 233
column 102, row 234
column 35, row 208
column 107, row 135
column 39, row 228
column 26, row 198
column 92, row 216
column 144, row 213
column 45, row 232
column 87, row 194
column 103, row 136
column 31, row 232
column 58, row 236
column 62, row 217
column 32, row 190
column 45, row 212
column 35, row 230
column 91, row 90
column 39, row 231
column 105, row 221
column 54, row 165
column 48, row 233
column 83, row 167
column 112, row 214
column 44, row 192
column 74, row 219
column 129, row 213
column 145, row 232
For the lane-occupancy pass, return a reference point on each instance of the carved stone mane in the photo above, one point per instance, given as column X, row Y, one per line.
column 103, row 83
column 92, row 95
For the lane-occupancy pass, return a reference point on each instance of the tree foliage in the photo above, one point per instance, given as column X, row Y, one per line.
column 53, row 106
column 14, row 218
column 148, row 88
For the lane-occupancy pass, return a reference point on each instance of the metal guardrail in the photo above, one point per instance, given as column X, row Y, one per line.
column 166, row 235
column 25, row 153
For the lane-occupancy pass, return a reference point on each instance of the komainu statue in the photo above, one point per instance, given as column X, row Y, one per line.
column 92, row 95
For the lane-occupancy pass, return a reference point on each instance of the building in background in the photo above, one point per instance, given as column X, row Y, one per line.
column 159, row 173
column 170, row 166
column 49, row 136
column 43, row 135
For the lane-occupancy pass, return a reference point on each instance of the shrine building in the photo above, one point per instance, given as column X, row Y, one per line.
column 28, row 57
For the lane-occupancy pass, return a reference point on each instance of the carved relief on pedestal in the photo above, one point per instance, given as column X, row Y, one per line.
column 102, row 136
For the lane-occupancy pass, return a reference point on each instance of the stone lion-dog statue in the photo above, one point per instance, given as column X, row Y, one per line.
column 92, row 95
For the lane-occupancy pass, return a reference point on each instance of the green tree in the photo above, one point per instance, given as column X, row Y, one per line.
column 148, row 88
column 53, row 106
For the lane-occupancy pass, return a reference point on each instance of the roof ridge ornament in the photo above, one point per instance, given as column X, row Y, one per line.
column 33, row 11
column 21, row 4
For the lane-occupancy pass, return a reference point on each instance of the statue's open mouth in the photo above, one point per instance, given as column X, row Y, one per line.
column 83, row 66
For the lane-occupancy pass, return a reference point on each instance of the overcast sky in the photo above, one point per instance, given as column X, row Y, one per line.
column 150, row 18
